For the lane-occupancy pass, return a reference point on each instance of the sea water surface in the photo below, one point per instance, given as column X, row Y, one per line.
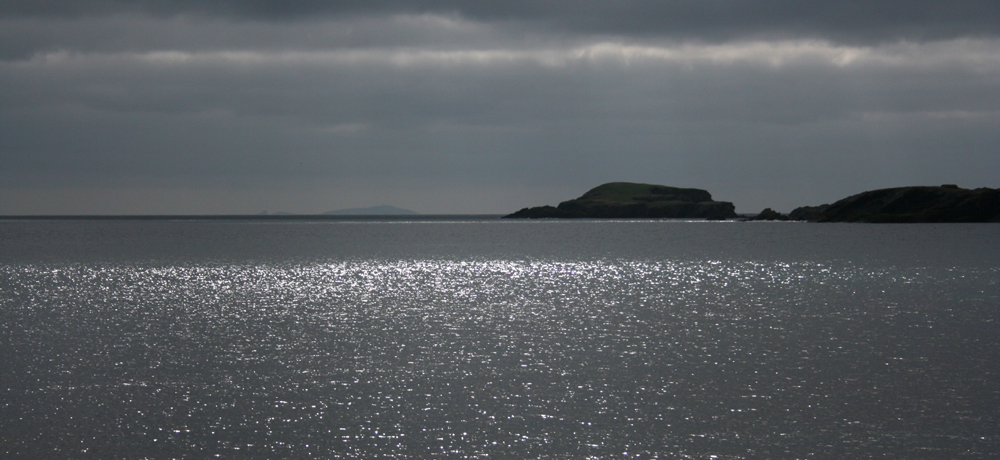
column 474, row 337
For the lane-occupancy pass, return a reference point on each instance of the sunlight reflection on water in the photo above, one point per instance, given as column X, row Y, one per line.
column 477, row 358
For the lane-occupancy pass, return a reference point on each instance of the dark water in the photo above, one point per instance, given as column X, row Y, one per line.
column 482, row 338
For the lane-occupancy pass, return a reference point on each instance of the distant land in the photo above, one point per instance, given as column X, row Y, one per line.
column 916, row 204
column 627, row 200
column 384, row 210
column 946, row 203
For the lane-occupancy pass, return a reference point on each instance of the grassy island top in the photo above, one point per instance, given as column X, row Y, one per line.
column 627, row 200
column 630, row 192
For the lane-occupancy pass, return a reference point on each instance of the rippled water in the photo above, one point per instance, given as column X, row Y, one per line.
column 493, row 339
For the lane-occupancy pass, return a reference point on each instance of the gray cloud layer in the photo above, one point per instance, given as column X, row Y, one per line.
column 844, row 20
column 155, row 107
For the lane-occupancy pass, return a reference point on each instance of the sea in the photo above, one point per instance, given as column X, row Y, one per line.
column 475, row 337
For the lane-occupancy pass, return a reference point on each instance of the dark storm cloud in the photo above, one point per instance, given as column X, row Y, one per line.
column 849, row 20
column 716, row 116
column 172, row 106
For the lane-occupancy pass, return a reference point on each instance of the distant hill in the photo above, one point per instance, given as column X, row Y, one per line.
column 627, row 200
column 947, row 203
column 383, row 210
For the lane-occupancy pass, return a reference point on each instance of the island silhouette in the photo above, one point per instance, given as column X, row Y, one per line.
column 618, row 200
column 913, row 204
column 916, row 204
column 383, row 210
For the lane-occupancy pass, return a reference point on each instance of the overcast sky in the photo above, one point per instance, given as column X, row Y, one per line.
column 237, row 106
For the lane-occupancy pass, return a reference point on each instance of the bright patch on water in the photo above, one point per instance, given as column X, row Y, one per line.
column 499, row 358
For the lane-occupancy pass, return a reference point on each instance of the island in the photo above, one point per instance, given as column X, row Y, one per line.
column 384, row 210
column 916, row 204
column 627, row 200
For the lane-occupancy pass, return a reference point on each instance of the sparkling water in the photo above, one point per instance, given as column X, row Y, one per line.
column 486, row 338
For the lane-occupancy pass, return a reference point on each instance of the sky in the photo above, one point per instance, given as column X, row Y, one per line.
column 455, row 107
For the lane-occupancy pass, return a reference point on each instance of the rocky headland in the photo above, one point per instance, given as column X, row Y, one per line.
column 770, row 214
column 626, row 200
column 919, row 204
